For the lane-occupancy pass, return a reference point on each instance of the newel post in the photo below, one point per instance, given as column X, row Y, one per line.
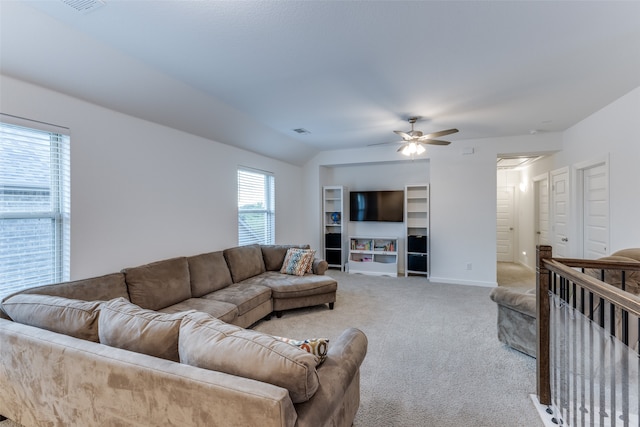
column 543, row 372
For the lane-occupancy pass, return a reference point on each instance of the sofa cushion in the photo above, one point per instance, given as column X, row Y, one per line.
column 298, row 261
column 209, row 343
column 245, row 296
column 224, row 311
column 159, row 284
column 288, row 286
column 244, row 262
column 102, row 288
column 633, row 253
column 127, row 326
column 208, row 272
column 71, row 317
column 273, row 255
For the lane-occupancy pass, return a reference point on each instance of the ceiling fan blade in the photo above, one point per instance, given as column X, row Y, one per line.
column 436, row 142
column 437, row 134
column 386, row 143
column 404, row 135
column 402, row 147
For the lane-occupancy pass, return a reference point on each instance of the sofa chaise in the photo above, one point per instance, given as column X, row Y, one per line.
column 110, row 366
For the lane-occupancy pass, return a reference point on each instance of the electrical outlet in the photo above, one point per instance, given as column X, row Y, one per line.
column 469, row 266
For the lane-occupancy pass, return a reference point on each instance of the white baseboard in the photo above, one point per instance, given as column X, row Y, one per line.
column 547, row 418
column 550, row 413
column 463, row 282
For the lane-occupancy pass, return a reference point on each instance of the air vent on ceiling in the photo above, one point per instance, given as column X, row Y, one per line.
column 84, row 6
column 302, row 131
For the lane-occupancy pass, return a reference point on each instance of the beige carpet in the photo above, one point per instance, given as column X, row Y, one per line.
column 434, row 358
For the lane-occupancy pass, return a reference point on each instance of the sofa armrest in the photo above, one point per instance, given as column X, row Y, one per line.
column 522, row 300
column 336, row 374
column 347, row 352
column 319, row 266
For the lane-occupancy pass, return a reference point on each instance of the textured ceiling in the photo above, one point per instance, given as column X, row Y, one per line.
column 246, row 73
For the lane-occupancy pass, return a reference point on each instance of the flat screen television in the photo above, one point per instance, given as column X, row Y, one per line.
column 376, row 206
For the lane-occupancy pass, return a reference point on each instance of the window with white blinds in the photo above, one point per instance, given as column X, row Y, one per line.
column 34, row 206
column 256, row 207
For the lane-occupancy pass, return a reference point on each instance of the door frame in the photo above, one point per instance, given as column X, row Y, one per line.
column 578, row 178
column 570, row 208
column 514, row 219
column 536, row 203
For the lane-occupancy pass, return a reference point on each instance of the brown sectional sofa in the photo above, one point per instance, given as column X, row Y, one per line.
column 56, row 379
column 239, row 285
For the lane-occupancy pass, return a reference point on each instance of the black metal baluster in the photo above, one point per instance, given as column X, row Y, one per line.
column 624, row 379
column 612, row 363
column 574, row 356
column 591, row 364
column 555, row 395
column 625, row 313
column 582, row 310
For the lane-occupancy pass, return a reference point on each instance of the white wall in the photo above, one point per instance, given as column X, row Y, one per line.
column 610, row 133
column 463, row 198
column 142, row 192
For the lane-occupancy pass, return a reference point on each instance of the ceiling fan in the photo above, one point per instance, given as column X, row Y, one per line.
column 413, row 141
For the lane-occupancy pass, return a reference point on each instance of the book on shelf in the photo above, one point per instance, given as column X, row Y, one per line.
column 386, row 247
column 360, row 245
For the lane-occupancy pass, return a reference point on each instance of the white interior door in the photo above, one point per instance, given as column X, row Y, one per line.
column 595, row 211
column 504, row 226
column 560, row 198
column 542, row 210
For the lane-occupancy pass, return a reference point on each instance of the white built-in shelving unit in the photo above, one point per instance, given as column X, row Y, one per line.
column 416, row 220
column 334, row 220
column 373, row 255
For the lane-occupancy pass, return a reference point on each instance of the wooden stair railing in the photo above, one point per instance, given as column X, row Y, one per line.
column 565, row 268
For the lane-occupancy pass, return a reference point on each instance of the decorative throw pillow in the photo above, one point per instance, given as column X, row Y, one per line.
column 209, row 343
column 315, row 346
column 67, row 316
column 311, row 259
column 298, row 261
column 124, row 325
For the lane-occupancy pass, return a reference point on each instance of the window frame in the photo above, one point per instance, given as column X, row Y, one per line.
column 267, row 236
column 57, row 254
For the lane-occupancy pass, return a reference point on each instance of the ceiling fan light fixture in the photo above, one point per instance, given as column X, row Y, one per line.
column 414, row 141
column 413, row 148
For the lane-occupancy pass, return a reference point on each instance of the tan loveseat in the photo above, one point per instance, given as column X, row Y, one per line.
column 228, row 375
column 517, row 323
